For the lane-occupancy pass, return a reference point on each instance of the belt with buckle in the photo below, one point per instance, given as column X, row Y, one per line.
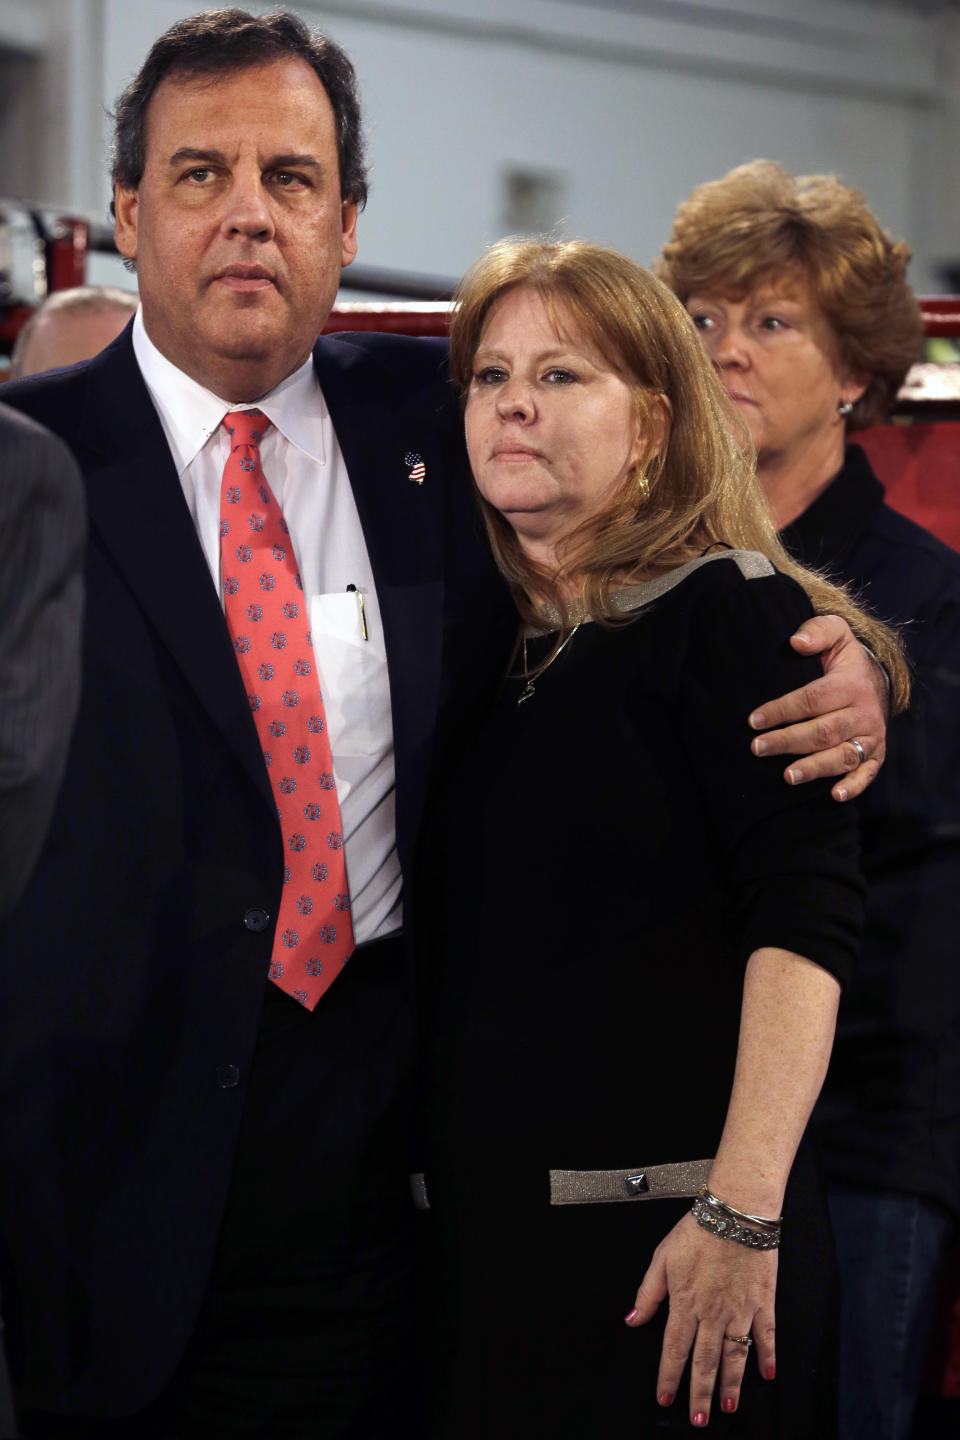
column 673, row 1181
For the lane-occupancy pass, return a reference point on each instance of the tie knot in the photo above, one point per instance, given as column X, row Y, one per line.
column 246, row 427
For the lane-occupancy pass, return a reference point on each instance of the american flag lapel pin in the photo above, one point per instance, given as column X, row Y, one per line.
column 414, row 463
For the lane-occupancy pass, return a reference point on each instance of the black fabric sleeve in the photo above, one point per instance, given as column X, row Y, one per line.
column 42, row 529
column 790, row 853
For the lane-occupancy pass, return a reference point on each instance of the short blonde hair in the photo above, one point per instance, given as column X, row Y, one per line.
column 759, row 223
column 695, row 488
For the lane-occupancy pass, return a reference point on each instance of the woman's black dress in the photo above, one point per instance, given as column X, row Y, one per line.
column 599, row 865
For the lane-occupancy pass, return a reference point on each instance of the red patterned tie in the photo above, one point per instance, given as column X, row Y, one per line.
column 267, row 620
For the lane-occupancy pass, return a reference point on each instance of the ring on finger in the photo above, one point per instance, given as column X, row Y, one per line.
column 740, row 1340
column 861, row 753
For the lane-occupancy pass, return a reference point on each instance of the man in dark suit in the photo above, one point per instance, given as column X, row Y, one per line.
column 41, row 538
column 206, row 1228
column 206, row 1201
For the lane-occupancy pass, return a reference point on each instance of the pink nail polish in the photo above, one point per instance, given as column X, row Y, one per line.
column 700, row 1418
column 665, row 1398
column 729, row 1404
column 771, row 1372
column 632, row 1316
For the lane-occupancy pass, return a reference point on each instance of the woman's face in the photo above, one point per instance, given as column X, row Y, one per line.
column 780, row 363
column 552, row 428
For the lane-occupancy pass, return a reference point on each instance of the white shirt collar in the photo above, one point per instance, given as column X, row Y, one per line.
column 190, row 413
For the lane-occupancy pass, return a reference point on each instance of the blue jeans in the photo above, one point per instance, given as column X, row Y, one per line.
column 889, row 1248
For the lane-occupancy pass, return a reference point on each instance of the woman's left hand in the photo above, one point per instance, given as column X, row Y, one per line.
column 717, row 1288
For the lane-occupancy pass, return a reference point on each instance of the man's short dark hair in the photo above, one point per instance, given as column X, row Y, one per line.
column 219, row 41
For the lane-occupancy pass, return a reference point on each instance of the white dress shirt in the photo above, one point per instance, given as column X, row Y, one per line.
column 302, row 461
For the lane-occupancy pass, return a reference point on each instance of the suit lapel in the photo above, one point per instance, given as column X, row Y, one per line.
column 137, row 507
column 403, row 527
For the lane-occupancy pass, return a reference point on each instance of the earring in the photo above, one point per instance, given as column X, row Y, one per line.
column 845, row 407
column 637, row 476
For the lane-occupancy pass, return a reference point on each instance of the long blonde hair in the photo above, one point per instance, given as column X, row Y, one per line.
column 696, row 487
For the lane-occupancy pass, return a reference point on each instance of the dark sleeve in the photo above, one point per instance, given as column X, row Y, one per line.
column 41, row 534
column 789, row 853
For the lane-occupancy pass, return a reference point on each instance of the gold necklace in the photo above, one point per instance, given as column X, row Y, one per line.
column 528, row 689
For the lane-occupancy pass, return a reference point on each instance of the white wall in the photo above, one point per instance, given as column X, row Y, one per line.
column 630, row 106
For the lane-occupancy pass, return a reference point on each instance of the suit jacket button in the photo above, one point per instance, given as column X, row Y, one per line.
column 228, row 1076
column 256, row 919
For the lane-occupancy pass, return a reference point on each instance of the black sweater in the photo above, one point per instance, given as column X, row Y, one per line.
column 889, row 1116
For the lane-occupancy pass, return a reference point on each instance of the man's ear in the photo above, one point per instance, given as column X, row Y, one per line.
column 126, row 206
column 348, row 221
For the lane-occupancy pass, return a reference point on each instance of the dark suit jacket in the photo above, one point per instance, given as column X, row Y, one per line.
column 129, row 979
column 42, row 530
column 41, row 541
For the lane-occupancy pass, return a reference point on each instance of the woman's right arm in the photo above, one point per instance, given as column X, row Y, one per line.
column 717, row 1287
column 788, row 857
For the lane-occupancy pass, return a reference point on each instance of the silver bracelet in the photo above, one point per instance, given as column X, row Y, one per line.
column 727, row 1209
column 725, row 1227
column 880, row 666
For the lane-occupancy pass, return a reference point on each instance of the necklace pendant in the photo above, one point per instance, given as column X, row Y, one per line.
column 526, row 693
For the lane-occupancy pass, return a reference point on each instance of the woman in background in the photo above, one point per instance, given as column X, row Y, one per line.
column 802, row 301
column 632, row 943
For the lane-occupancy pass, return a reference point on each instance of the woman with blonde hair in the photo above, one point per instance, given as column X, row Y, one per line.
column 801, row 298
column 631, row 942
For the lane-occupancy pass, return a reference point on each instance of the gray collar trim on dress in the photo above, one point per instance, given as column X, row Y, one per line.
column 751, row 564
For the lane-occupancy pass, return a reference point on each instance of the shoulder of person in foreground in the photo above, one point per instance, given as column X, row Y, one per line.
column 42, row 530
column 57, row 399
column 410, row 359
column 401, row 374
column 843, row 700
column 730, row 617
column 742, row 614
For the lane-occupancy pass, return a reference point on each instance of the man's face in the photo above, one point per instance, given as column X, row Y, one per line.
column 237, row 227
